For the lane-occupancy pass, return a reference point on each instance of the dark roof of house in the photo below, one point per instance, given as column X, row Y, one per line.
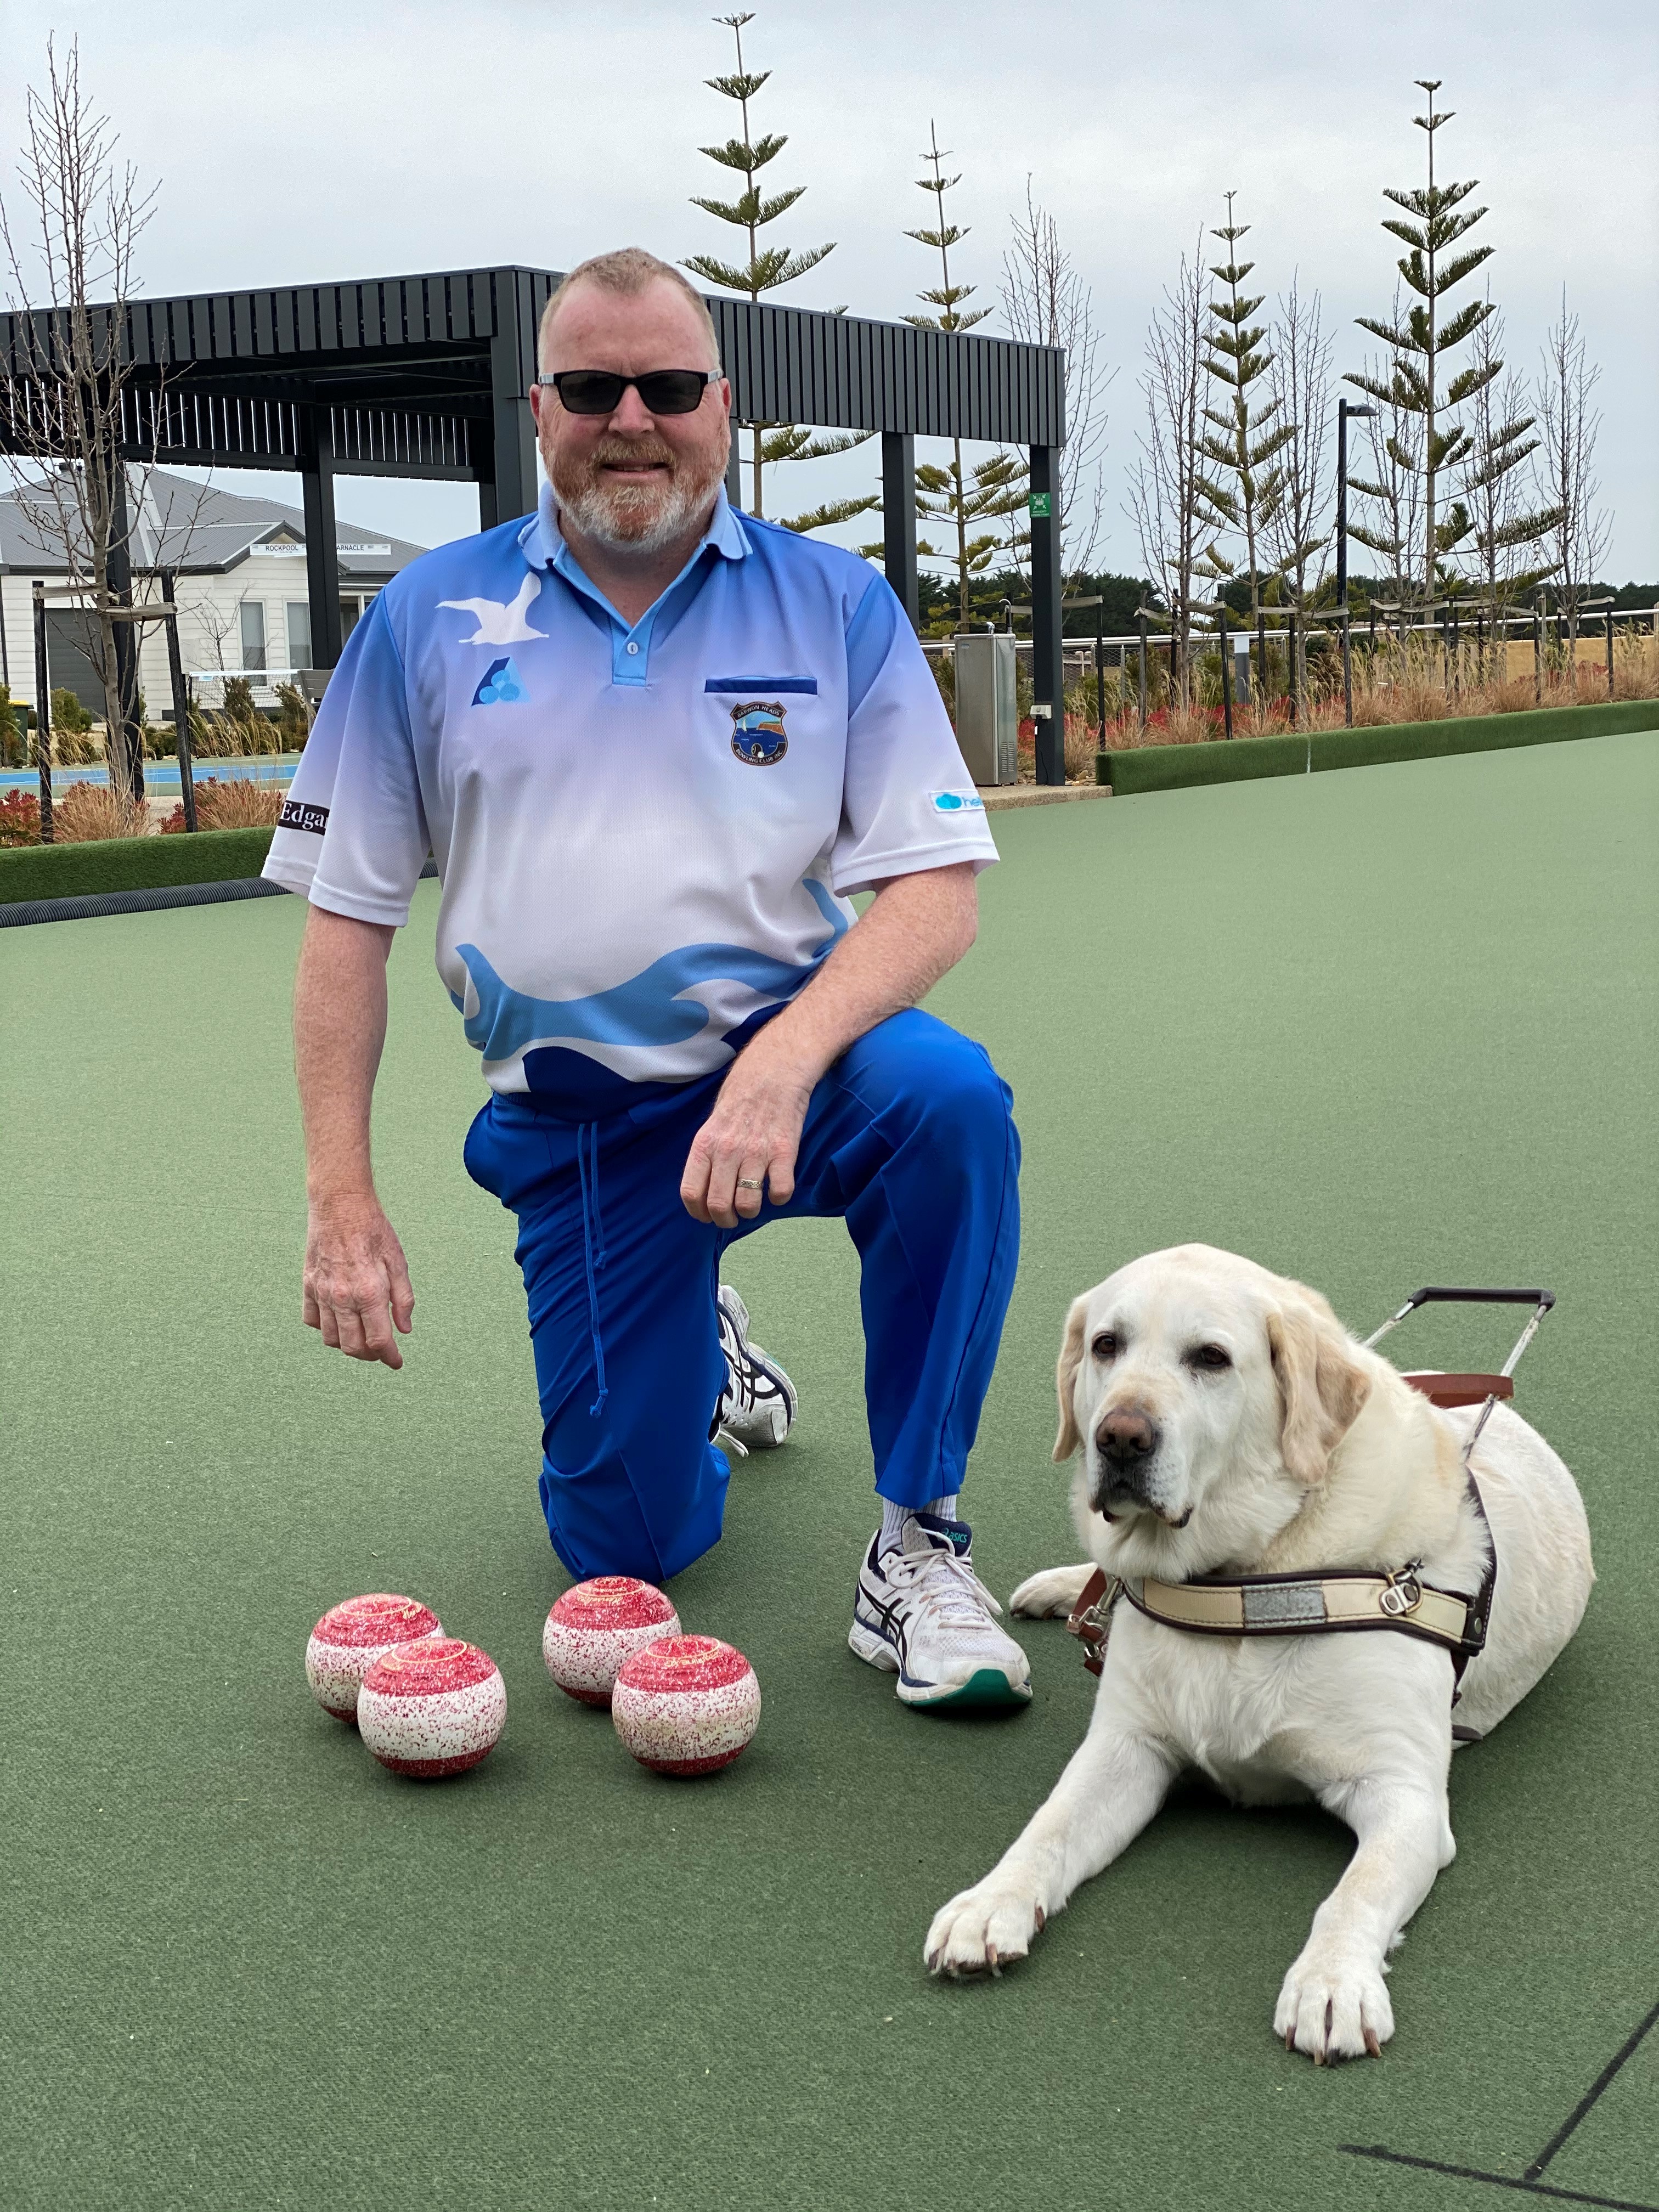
column 200, row 528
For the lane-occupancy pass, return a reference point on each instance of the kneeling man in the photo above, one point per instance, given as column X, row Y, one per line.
column 654, row 746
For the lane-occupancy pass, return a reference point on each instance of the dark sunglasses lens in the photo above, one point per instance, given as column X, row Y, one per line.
column 672, row 391
column 590, row 391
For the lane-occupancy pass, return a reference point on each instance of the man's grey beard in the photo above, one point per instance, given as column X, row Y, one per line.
column 636, row 518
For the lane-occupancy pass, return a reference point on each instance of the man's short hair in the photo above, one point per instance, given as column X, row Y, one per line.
column 627, row 272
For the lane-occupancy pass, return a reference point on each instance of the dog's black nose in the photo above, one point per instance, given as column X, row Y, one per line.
column 1126, row 1436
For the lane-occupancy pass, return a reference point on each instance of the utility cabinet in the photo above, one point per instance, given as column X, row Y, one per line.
column 988, row 717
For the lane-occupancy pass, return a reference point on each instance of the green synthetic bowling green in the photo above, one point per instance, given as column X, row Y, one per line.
column 1377, row 1029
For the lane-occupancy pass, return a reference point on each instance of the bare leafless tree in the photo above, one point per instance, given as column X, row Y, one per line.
column 1571, row 421
column 1046, row 301
column 1166, row 498
column 216, row 622
column 1506, row 555
column 68, row 242
column 1296, row 527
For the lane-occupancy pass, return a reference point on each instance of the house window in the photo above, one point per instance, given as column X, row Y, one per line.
column 253, row 633
column 299, row 634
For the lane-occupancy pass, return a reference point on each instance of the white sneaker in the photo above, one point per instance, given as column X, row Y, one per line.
column 758, row 1405
column 922, row 1614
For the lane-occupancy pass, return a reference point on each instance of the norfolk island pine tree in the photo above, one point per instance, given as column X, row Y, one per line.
column 1414, row 387
column 766, row 269
column 997, row 487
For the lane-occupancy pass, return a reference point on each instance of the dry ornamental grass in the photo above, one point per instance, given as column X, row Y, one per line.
column 238, row 803
column 86, row 811
column 1412, row 685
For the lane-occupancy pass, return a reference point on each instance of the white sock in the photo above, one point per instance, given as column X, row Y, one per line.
column 893, row 1518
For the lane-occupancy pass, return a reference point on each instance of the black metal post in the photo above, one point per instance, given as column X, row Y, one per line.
column 1047, row 670
column 1456, row 652
column 1538, row 649
column 124, row 746
column 1609, row 653
column 322, row 550
column 1348, row 663
column 42, row 711
column 180, row 698
column 512, row 366
column 1293, row 685
column 899, row 520
column 1261, row 659
column 1100, row 671
column 1226, row 670
column 1140, row 623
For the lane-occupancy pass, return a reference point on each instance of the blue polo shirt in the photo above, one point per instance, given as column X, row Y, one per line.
column 647, row 836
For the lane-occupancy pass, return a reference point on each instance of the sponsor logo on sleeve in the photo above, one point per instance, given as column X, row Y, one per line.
column 300, row 814
column 957, row 802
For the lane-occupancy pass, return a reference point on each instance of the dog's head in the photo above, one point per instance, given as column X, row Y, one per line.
column 1207, row 1396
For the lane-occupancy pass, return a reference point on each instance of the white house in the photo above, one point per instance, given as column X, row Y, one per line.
column 240, row 584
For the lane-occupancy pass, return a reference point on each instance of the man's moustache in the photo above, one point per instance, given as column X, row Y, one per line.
column 630, row 453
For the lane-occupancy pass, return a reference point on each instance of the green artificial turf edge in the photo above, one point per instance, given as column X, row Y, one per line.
column 1239, row 760
column 130, row 864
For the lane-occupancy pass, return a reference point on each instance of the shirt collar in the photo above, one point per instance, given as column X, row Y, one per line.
column 543, row 543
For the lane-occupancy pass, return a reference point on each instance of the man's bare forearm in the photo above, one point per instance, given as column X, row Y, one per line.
column 916, row 928
column 339, row 1030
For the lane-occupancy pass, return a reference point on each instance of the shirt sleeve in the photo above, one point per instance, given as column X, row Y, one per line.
column 908, row 801
column 353, row 835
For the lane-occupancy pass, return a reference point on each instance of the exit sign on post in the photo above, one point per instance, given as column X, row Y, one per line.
column 1042, row 505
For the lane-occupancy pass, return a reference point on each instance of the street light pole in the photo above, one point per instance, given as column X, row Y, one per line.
column 1343, row 410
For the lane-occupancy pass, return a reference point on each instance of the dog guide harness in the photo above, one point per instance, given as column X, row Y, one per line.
column 1336, row 1600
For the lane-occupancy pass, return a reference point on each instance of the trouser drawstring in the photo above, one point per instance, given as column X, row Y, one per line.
column 588, row 1171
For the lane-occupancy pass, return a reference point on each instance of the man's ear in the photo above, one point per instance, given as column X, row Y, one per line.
column 1322, row 1387
column 1071, row 1358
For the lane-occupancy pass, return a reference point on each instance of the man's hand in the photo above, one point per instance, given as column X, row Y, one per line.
column 354, row 1272
column 355, row 1276
column 916, row 927
column 751, row 1137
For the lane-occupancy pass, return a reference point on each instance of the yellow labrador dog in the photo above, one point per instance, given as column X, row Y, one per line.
column 1230, row 1424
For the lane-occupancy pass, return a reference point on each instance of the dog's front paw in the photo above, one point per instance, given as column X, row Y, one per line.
column 1056, row 1589
column 1335, row 2004
column 985, row 1927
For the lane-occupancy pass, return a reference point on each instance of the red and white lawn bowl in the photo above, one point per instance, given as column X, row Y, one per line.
column 347, row 1641
column 598, row 1626
column 432, row 1708
column 686, row 1704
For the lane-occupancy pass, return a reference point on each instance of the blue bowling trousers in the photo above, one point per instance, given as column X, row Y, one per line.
column 910, row 1137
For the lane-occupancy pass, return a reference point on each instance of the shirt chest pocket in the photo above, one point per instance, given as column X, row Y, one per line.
column 755, row 712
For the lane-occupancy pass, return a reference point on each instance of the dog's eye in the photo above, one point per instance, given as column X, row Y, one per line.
column 1210, row 1355
column 1104, row 1346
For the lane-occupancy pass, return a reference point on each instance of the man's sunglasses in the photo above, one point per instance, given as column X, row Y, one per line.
column 662, row 391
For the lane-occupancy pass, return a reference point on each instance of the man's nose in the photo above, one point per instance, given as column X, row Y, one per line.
column 630, row 417
column 1127, row 1436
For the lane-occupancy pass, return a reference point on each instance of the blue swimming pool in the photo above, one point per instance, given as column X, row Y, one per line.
column 162, row 776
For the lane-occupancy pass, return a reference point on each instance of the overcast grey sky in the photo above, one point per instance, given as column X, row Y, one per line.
column 310, row 140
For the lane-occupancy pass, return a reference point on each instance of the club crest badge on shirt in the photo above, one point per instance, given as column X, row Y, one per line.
column 758, row 737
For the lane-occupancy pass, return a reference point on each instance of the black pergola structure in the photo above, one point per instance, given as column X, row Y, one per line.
column 427, row 376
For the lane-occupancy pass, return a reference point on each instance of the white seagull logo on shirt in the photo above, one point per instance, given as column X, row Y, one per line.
column 500, row 622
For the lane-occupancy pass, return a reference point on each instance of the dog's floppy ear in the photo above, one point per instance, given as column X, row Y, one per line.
column 1071, row 1358
column 1322, row 1385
